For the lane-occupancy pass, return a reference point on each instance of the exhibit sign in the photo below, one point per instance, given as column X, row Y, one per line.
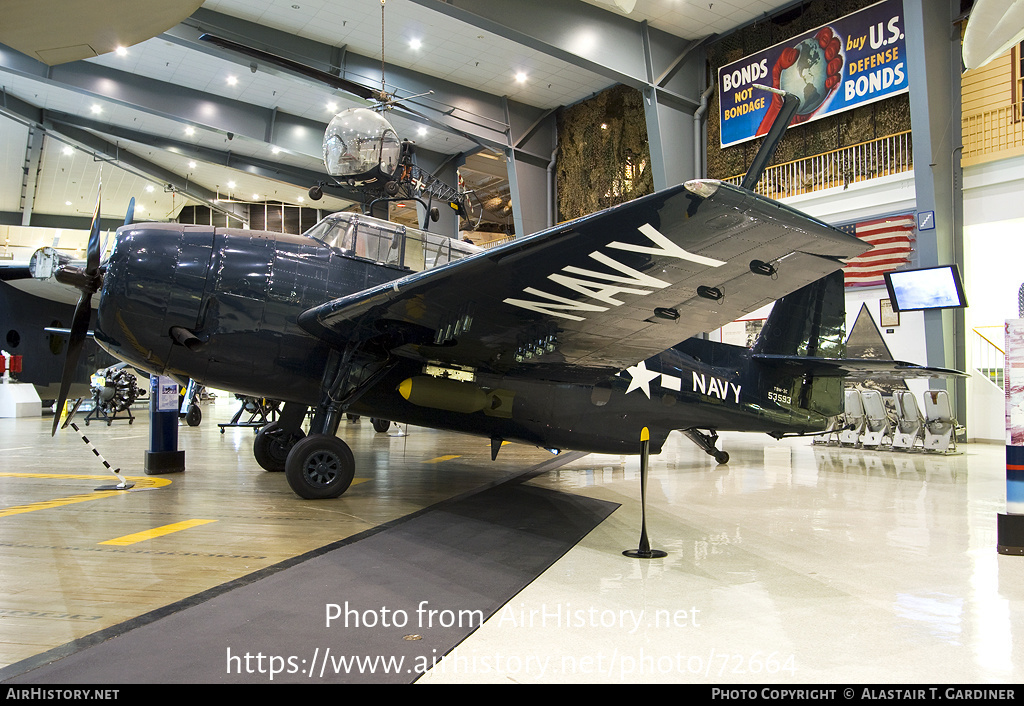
column 1010, row 525
column 1013, row 384
column 852, row 61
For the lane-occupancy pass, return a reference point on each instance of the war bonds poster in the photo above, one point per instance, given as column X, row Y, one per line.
column 854, row 60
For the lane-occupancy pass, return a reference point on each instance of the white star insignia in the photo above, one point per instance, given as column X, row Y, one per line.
column 641, row 378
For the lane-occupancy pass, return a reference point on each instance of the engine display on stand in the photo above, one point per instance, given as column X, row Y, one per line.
column 114, row 390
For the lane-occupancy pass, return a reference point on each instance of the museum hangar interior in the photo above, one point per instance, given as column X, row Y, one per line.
column 455, row 557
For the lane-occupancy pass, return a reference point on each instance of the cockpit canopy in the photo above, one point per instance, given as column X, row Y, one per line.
column 365, row 237
column 359, row 142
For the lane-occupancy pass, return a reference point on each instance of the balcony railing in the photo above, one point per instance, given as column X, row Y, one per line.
column 988, row 356
column 838, row 168
column 993, row 134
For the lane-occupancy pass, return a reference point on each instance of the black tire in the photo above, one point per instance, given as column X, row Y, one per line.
column 320, row 467
column 194, row 415
column 722, row 457
column 271, row 446
column 380, row 425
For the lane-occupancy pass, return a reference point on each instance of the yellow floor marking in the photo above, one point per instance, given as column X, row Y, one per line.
column 442, row 458
column 155, row 532
column 108, row 478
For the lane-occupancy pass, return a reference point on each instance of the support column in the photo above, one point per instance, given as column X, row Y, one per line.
column 33, row 154
column 670, row 137
column 933, row 64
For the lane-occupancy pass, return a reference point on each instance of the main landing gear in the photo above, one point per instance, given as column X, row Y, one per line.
column 319, row 465
column 707, row 442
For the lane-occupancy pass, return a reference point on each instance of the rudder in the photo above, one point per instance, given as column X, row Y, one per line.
column 810, row 321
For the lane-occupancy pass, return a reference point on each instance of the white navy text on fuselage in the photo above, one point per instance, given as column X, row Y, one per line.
column 715, row 387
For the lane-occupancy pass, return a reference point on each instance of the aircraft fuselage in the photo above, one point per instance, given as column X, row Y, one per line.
column 220, row 306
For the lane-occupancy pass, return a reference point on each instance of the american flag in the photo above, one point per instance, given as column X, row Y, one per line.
column 893, row 238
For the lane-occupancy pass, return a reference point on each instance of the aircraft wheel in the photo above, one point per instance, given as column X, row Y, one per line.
column 272, row 445
column 194, row 415
column 320, row 466
column 722, row 457
column 380, row 425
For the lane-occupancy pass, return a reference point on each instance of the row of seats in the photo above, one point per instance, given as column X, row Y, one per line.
column 867, row 424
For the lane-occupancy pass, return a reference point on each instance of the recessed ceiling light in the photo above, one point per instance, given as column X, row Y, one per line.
column 121, row 51
column 231, row 185
column 191, row 165
column 275, row 149
column 67, row 203
column 333, row 107
column 302, row 200
column 421, row 131
column 149, row 188
column 96, row 108
column 255, row 197
column 521, row 77
column 68, row 149
column 190, row 130
column 232, row 80
column 415, row 44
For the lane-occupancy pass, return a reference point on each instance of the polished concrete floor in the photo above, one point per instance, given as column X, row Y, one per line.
column 795, row 563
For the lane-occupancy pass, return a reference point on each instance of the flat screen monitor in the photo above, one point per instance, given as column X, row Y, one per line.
column 925, row 288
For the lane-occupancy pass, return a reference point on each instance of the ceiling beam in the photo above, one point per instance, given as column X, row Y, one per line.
column 580, row 34
column 278, row 171
column 31, row 115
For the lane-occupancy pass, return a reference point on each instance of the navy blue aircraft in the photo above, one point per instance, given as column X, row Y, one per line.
column 567, row 339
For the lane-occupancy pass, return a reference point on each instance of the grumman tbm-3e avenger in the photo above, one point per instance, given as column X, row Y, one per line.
column 567, row 339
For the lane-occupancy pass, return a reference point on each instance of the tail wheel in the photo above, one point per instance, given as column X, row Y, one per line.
column 271, row 446
column 320, row 466
column 380, row 425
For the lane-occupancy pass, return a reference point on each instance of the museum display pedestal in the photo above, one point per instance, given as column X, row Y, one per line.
column 19, row 400
column 163, row 455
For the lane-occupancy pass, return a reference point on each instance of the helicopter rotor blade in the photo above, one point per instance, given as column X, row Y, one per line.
column 281, row 62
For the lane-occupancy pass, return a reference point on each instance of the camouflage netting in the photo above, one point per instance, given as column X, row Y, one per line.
column 868, row 122
column 597, row 166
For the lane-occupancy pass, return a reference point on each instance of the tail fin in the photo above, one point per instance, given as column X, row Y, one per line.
column 808, row 322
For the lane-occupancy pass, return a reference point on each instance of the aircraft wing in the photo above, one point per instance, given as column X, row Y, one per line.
column 856, row 369
column 19, row 275
column 11, row 271
column 602, row 292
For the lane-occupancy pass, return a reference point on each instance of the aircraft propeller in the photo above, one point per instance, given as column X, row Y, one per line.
column 88, row 281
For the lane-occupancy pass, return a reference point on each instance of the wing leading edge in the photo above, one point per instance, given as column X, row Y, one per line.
column 604, row 291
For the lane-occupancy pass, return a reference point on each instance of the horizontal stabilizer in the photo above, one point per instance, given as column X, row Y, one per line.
column 854, row 369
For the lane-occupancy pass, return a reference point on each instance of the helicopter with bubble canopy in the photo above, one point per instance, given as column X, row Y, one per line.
column 362, row 149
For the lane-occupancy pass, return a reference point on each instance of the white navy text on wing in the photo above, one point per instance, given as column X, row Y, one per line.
column 604, row 286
